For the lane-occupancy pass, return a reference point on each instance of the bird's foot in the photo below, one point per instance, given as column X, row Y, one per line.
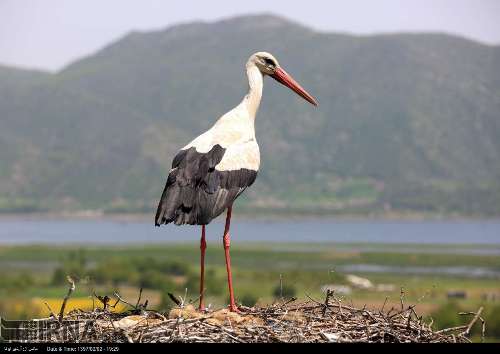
column 234, row 308
column 239, row 309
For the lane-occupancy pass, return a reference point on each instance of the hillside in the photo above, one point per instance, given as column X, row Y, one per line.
column 408, row 122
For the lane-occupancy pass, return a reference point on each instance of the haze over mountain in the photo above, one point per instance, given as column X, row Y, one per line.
column 406, row 121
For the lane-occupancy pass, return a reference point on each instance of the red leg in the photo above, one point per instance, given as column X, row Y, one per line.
column 226, row 242
column 203, row 247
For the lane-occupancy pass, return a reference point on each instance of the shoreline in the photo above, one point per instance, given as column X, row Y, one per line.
column 92, row 215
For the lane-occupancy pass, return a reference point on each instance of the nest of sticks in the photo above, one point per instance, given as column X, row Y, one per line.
column 286, row 321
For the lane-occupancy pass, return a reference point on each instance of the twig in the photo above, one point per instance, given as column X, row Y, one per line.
column 385, row 302
column 104, row 300
column 290, row 322
column 289, row 301
column 70, row 291
column 121, row 299
column 174, row 299
column 281, row 286
column 329, row 293
column 474, row 320
column 50, row 311
column 139, row 299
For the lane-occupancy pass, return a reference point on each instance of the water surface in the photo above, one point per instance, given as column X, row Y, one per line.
column 308, row 231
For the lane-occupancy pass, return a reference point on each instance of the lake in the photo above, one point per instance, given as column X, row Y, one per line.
column 455, row 237
column 16, row 232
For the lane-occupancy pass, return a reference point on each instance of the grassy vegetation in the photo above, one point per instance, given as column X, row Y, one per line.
column 35, row 274
column 255, row 256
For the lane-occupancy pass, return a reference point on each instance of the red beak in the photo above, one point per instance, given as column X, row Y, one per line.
column 284, row 78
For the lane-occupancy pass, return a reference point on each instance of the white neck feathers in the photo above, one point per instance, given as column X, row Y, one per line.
column 255, row 82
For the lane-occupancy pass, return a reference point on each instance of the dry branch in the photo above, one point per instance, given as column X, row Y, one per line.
column 286, row 321
column 70, row 291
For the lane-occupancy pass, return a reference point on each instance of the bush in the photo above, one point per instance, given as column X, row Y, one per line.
column 287, row 291
column 152, row 279
column 59, row 276
column 74, row 265
column 166, row 267
column 116, row 272
column 492, row 318
column 174, row 268
column 447, row 316
column 214, row 285
column 166, row 303
column 144, row 264
column 16, row 283
column 145, row 272
column 248, row 300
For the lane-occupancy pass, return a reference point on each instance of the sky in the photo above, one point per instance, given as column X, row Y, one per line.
column 49, row 34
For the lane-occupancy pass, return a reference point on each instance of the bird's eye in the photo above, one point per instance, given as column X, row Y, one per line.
column 269, row 62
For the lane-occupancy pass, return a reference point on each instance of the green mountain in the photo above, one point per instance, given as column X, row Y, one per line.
column 405, row 122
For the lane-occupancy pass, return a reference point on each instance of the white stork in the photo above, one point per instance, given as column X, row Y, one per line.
column 210, row 172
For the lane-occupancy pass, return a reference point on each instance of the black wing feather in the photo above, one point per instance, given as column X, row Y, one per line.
column 195, row 192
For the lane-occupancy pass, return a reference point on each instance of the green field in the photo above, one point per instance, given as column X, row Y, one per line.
column 34, row 274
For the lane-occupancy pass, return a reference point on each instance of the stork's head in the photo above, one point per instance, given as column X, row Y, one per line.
column 268, row 65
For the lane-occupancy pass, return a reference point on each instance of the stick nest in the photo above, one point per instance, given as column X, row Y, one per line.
column 287, row 321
